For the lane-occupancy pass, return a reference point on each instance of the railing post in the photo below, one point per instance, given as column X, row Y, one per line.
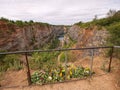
column 66, row 64
column 91, row 61
column 28, row 70
column 111, row 55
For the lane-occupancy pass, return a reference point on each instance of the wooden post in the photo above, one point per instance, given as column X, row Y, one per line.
column 109, row 68
column 28, row 70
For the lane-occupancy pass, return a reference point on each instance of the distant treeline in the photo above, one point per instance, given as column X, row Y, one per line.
column 21, row 23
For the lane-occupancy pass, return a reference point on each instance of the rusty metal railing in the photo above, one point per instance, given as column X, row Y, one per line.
column 52, row 50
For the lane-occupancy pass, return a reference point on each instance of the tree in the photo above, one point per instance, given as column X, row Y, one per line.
column 111, row 13
column 115, row 34
column 95, row 17
column 3, row 19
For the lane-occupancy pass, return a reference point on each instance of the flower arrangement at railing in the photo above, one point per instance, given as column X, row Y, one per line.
column 59, row 74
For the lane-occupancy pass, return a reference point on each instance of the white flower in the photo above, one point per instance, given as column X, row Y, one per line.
column 50, row 78
column 87, row 72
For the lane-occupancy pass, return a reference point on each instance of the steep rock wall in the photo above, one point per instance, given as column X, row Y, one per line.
column 88, row 37
column 29, row 37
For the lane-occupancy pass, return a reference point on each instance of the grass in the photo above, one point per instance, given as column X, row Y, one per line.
column 10, row 62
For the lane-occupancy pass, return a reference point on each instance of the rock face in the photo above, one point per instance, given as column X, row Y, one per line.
column 28, row 37
column 89, row 37
column 73, row 32
column 37, row 35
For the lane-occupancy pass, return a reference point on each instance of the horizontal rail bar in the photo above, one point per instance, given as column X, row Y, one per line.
column 51, row 50
column 116, row 46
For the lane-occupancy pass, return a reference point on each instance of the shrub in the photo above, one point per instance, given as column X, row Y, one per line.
column 4, row 19
column 43, row 60
column 10, row 62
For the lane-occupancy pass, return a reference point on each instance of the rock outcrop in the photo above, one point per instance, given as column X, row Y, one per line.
column 29, row 37
column 73, row 32
column 88, row 37
column 36, row 35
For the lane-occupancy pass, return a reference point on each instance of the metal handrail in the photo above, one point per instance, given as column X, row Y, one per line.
column 51, row 50
column 116, row 46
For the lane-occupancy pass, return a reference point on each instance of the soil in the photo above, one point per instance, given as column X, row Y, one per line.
column 101, row 80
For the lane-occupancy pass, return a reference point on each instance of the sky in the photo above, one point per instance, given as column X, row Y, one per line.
column 57, row 12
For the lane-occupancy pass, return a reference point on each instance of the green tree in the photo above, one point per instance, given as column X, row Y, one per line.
column 111, row 13
column 3, row 19
column 114, row 30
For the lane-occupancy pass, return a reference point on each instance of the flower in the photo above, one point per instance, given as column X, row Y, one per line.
column 37, row 78
column 87, row 69
column 36, row 73
column 61, row 74
column 70, row 72
column 87, row 72
column 50, row 78
column 68, row 77
column 72, row 67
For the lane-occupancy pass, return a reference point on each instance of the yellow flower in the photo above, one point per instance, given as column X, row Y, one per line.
column 70, row 72
column 68, row 77
column 87, row 69
column 73, row 67
column 61, row 74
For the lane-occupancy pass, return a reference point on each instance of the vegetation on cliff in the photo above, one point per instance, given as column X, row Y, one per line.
column 21, row 23
column 110, row 23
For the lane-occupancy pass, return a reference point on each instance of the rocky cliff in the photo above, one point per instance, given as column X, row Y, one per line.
column 88, row 37
column 37, row 35
column 13, row 37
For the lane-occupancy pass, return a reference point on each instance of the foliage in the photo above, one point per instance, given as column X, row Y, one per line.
column 111, row 23
column 114, row 17
column 43, row 60
column 114, row 39
column 62, row 57
column 70, row 43
column 10, row 62
column 84, row 25
column 69, row 55
column 59, row 74
column 111, row 13
column 115, row 34
column 104, row 66
column 53, row 44
column 21, row 23
column 109, row 20
column 3, row 19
